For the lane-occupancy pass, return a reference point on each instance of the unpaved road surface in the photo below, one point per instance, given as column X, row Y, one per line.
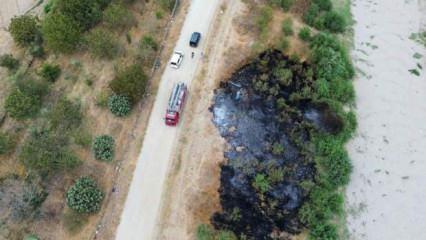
column 140, row 214
column 387, row 191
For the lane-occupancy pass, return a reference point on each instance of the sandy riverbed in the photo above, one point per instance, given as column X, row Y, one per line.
column 385, row 198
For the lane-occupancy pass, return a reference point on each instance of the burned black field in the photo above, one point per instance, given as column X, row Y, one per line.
column 268, row 113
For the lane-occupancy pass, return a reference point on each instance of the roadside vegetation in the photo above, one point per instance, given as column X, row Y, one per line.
column 327, row 82
column 79, row 69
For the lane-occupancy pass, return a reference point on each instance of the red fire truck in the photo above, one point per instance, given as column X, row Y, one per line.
column 176, row 102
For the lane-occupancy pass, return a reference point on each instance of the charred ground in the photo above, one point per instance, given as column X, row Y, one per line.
column 268, row 113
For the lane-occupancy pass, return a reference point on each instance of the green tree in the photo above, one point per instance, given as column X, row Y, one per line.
column 103, row 148
column 120, row 106
column 102, row 43
column 130, row 82
column 9, row 62
column 86, row 13
column 85, row 196
column 24, row 29
column 334, row 22
column 117, row 16
column 61, row 33
column 50, row 72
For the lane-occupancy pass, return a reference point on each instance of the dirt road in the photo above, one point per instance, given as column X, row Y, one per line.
column 140, row 215
column 386, row 194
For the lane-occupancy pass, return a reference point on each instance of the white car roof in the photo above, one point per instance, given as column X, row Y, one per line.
column 175, row 57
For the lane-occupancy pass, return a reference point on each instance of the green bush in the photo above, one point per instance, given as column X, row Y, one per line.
column 9, row 62
column 85, row 196
column 31, row 237
column 305, row 34
column 37, row 50
column 117, row 16
column 103, row 148
column 287, row 27
column 24, row 101
column 263, row 19
column 324, row 5
column 47, row 152
column 147, row 50
column 85, row 13
column 6, row 143
column 130, row 82
column 65, row 115
column 261, row 183
column 50, row 72
column 333, row 22
column 205, row 232
column 311, row 14
column 24, row 29
column 326, row 231
column 82, row 137
column 61, row 33
column 226, row 235
column 283, row 44
column 284, row 76
column 102, row 43
column 120, row 106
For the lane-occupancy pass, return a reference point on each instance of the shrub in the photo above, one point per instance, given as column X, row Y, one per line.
column 85, row 13
column 334, row 22
column 50, row 72
column 263, row 20
column 47, row 152
column 24, row 101
column 116, row 16
column 82, row 137
column 311, row 14
column 305, row 34
column 130, row 82
column 103, row 148
column 102, row 99
column 277, row 149
column 31, row 237
column 9, row 62
column 102, row 43
column 287, row 27
column 261, row 183
column 85, row 196
column 6, row 143
column 324, row 231
column 324, row 5
column 205, row 232
column 284, row 76
column 24, row 29
column 226, row 235
column 61, row 33
column 65, row 115
column 120, row 106
column 147, row 50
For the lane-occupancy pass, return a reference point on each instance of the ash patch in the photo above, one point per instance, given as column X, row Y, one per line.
column 266, row 120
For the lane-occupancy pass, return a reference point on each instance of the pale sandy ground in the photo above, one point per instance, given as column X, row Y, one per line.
column 386, row 195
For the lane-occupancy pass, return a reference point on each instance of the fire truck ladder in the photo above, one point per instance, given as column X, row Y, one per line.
column 175, row 98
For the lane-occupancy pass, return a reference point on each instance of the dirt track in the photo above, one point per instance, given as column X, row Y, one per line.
column 139, row 218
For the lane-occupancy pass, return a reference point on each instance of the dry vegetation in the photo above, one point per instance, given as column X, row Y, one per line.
column 84, row 80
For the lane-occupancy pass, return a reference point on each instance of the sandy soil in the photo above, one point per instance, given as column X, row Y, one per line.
column 385, row 198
